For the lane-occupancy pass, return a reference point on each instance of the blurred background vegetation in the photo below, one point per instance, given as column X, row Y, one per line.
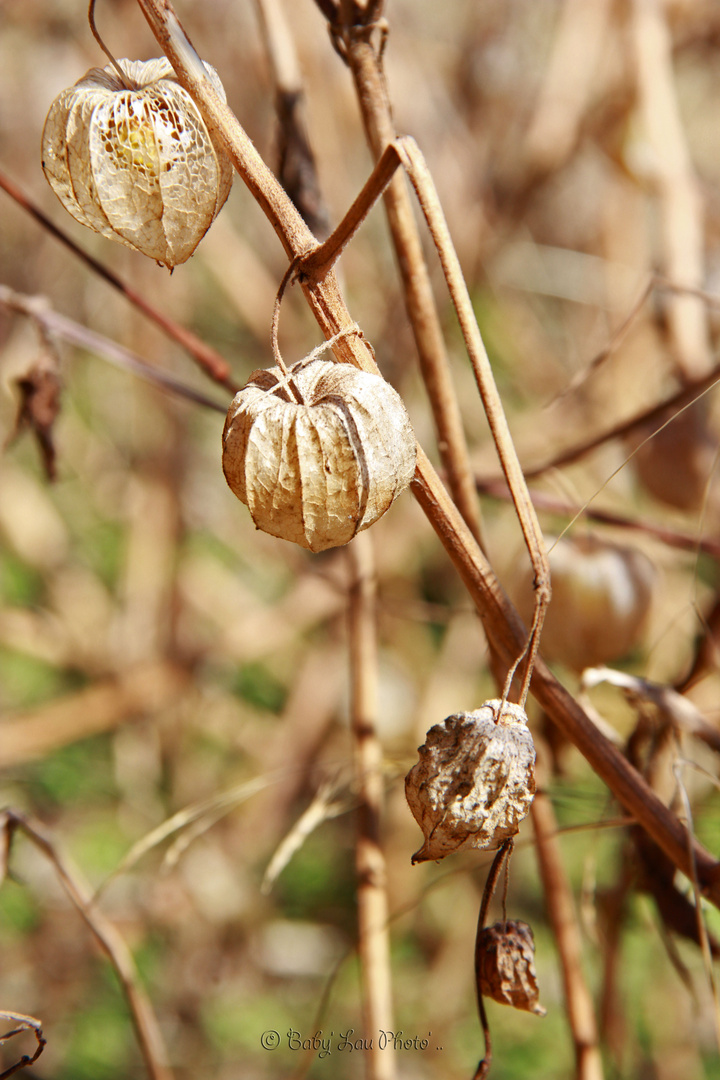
column 157, row 653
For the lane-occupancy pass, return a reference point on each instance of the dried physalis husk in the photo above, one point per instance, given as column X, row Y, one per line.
column 601, row 600
column 676, row 464
column 474, row 782
column 137, row 165
column 319, row 469
column 505, row 965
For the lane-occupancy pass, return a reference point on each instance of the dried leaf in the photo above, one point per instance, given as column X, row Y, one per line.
column 474, row 782
column 656, row 876
column 505, row 965
column 39, row 406
column 138, row 166
column 317, row 471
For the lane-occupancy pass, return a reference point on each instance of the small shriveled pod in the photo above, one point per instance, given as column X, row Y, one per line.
column 319, row 455
column 136, row 162
column 474, row 782
column 505, row 965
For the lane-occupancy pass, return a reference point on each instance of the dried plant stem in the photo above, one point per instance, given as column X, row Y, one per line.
column 502, row 623
column 661, row 415
column 208, row 359
column 422, row 182
column 679, row 201
column 316, row 265
column 59, row 326
column 566, row 934
column 501, row 859
column 365, row 63
column 23, row 1023
column 569, row 81
column 296, row 162
column 145, row 1022
column 702, row 930
column 279, row 47
column 126, row 82
column 373, row 932
column 683, row 541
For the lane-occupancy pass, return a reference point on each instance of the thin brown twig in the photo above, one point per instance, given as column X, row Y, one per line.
column 38, row 309
column 372, row 902
column 656, row 282
column 683, row 541
column 616, row 339
column 422, row 182
column 501, row 860
column 566, row 934
column 124, row 79
column 500, row 619
column 208, row 359
column 24, row 1023
column 656, row 414
column 147, row 1029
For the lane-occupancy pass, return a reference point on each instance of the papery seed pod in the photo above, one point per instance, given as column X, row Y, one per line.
column 138, row 165
column 601, row 599
column 474, row 782
column 318, row 470
column 676, row 464
column 505, row 965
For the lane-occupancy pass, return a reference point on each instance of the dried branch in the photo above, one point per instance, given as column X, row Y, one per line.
column 364, row 59
column 683, row 541
column 501, row 859
column 500, row 619
column 661, row 415
column 296, row 164
column 54, row 324
column 315, row 265
column 372, row 901
column 673, row 176
column 558, row 898
column 24, row 1023
column 208, row 359
column 113, row 945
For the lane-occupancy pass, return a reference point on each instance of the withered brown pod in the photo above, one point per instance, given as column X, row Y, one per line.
column 474, row 782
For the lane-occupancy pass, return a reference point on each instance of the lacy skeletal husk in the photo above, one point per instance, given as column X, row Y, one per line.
column 137, row 165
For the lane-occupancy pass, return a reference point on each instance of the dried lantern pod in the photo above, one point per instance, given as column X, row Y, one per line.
column 602, row 594
column 505, row 965
column 137, row 165
column 474, row 782
column 676, row 464
column 320, row 455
